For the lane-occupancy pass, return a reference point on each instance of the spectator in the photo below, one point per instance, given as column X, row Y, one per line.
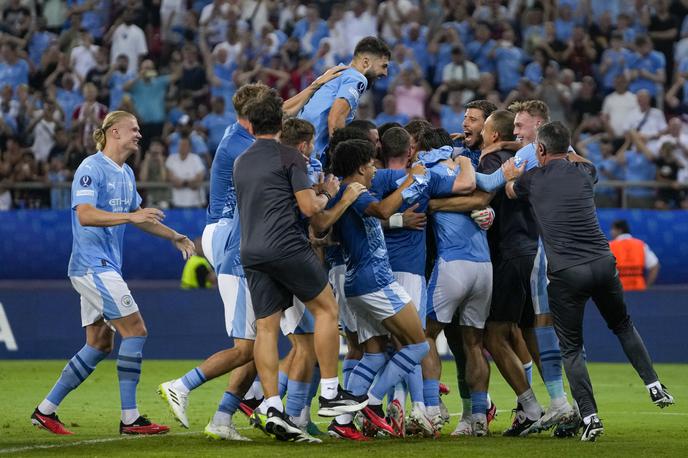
column 586, row 103
column 391, row 15
column 359, row 22
column 663, row 30
column 82, row 58
column 193, row 80
column 127, row 38
column 148, row 91
column 452, row 112
column 39, row 41
column 608, row 168
column 186, row 172
column 524, row 91
column 648, row 121
column 553, row 47
column 43, row 128
column 99, row 76
column 668, row 167
column 618, row 105
column 184, row 128
column 580, row 53
column 461, row 74
column 16, row 19
column 479, row 50
column 614, row 62
column 509, row 60
column 535, row 70
column 197, row 272
column 214, row 18
column 89, row 115
column 94, row 15
column 390, row 113
column 68, row 97
column 634, row 259
column 310, row 30
column 9, row 107
column 638, row 165
column 27, row 170
column 564, row 23
column 647, row 67
column 415, row 39
column 555, row 94
column 60, row 196
column 13, row 70
column 215, row 123
column 153, row 169
column 116, row 78
column 412, row 92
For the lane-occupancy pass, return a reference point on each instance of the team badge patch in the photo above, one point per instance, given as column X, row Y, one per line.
column 85, row 181
column 127, row 301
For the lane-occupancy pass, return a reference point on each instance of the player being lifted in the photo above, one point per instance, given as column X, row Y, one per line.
column 104, row 199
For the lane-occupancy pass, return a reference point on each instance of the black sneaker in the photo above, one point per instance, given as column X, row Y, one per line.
column 520, row 425
column 344, row 402
column 661, row 397
column 279, row 425
column 592, row 430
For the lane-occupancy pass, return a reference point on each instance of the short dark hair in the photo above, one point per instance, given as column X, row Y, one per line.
column 347, row 133
column 363, row 124
column 374, row 46
column 295, row 131
column 428, row 139
column 386, row 126
column 395, row 143
column 417, row 126
column 350, row 155
column 554, row 137
column 622, row 226
column 485, row 106
column 503, row 122
column 265, row 114
column 444, row 136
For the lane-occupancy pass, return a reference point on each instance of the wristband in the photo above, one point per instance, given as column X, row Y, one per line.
column 396, row 221
column 326, row 194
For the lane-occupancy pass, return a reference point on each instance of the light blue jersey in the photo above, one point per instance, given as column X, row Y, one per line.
column 363, row 245
column 222, row 204
column 457, row 235
column 349, row 86
column 230, row 263
column 100, row 182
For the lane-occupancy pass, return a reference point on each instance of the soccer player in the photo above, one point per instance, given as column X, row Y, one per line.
column 379, row 304
column 104, row 199
column 272, row 188
column 580, row 266
column 334, row 104
column 406, row 249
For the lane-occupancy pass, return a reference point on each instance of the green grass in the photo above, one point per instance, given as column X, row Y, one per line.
column 633, row 426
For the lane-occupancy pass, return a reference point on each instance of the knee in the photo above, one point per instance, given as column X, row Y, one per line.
column 245, row 351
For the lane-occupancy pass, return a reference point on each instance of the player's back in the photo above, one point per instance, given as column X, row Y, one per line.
column 350, row 85
column 222, row 203
column 100, row 182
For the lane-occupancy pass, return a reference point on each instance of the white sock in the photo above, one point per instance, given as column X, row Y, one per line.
column 46, row 407
column 328, row 387
column 588, row 419
column 530, row 404
column 222, row 419
column 433, row 411
column 649, row 387
column 298, row 421
column 305, row 416
column 373, row 401
column 400, row 395
column 129, row 416
column 257, row 389
column 263, row 407
column 489, row 401
column 250, row 394
column 274, row 401
column 558, row 402
column 344, row 419
column 178, row 385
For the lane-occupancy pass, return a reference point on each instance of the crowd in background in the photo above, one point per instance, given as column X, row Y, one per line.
column 615, row 71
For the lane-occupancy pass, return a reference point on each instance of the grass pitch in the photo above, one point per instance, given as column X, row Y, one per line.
column 633, row 426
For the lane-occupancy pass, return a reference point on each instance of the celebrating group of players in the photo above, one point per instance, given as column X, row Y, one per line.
column 298, row 251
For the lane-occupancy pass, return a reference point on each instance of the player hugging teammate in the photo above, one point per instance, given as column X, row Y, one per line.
column 299, row 250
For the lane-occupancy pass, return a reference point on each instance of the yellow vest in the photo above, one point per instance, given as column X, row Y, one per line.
column 189, row 280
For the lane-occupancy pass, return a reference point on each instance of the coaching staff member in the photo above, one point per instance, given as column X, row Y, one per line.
column 580, row 266
column 272, row 188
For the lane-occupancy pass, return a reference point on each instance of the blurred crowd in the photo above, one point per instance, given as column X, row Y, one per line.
column 615, row 71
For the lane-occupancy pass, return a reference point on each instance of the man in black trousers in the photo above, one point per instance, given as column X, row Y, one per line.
column 580, row 266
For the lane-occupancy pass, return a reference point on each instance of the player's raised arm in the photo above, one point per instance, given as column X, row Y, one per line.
column 293, row 105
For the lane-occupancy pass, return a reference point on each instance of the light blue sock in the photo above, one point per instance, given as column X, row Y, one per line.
column 528, row 369
column 296, row 397
column 194, row 378
column 479, row 402
column 415, row 384
column 282, row 384
column 398, row 368
column 431, row 392
column 229, row 403
column 550, row 358
column 348, row 366
column 364, row 373
column 314, row 385
column 129, row 369
column 77, row 369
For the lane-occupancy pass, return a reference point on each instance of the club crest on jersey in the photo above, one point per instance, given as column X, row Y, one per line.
column 85, row 181
column 127, row 301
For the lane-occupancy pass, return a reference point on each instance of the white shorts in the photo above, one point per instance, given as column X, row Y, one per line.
column 465, row 286
column 214, row 240
column 103, row 295
column 417, row 288
column 337, row 276
column 372, row 309
column 297, row 319
column 539, row 282
column 240, row 320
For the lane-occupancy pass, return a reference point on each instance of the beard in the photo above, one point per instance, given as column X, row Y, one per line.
column 371, row 77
